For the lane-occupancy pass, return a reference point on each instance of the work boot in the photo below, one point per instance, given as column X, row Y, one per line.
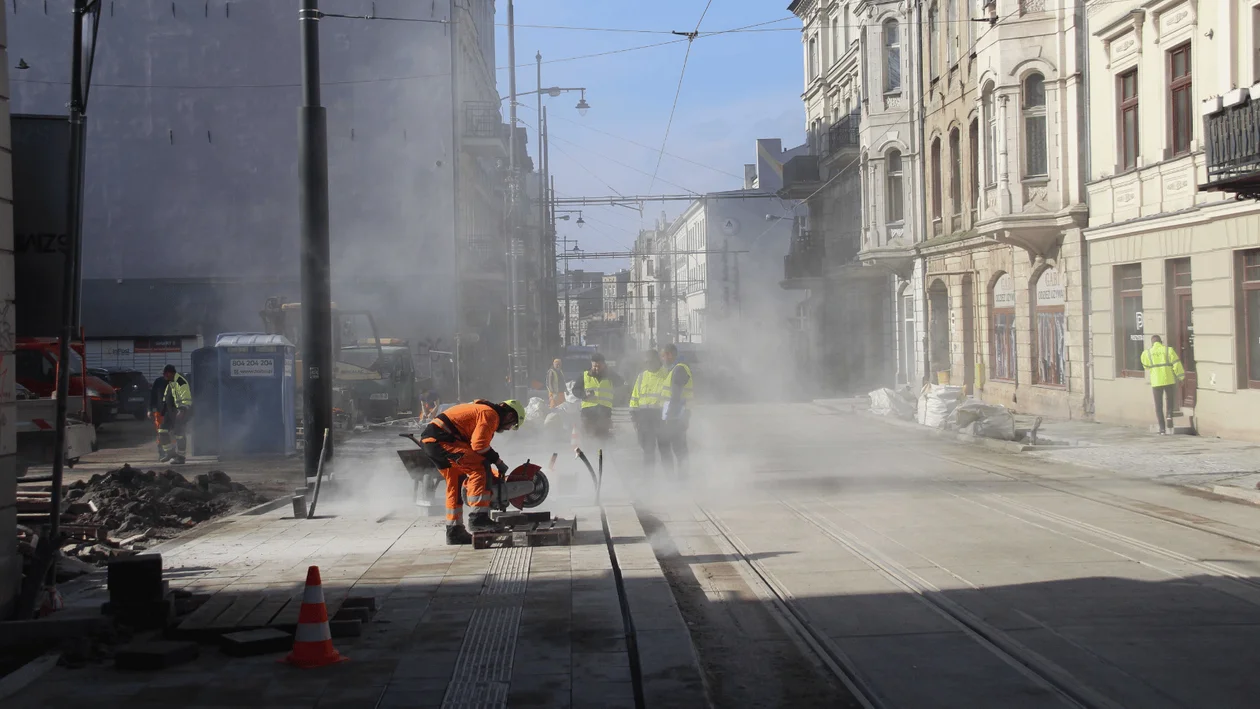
column 164, row 458
column 481, row 522
column 456, row 534
column 177, row 460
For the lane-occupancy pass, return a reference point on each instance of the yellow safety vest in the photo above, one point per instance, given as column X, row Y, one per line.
column 603, row 389
column 178, row 391
column 1163, row 364
column 647, row 389
column 688, row 390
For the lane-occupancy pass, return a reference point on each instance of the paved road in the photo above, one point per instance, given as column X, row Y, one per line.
column 828, row 557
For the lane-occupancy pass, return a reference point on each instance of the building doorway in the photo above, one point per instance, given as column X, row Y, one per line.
column 969, row 335
column 1181, row 326
column 938, row 331
column 907, row 336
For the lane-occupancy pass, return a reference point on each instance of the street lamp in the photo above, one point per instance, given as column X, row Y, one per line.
column 582, row 105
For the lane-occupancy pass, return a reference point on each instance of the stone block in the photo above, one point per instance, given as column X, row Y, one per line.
column 155, row 655
column 255, row 642
column 363, row 615
column 350, row 628
column 137, row 579
column 368, row 602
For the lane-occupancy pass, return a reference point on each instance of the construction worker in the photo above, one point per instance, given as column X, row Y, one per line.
column 1166, row 372
column 157, row 394
column 458, row 443
column 676, row 393
column 555, row 384
column 430, row 400
column 645, row 406
column 598, row 386
column 175, row 415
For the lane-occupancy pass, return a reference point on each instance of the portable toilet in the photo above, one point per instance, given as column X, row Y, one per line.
column 204, row 433
column 256, row 395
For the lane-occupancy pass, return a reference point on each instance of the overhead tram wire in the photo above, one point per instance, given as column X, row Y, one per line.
column 682, row 74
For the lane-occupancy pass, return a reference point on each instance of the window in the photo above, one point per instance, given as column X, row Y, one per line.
column 1127, row 95
column 991, row 136
column 973, row 145
column 892, row 56
column 938, row 326
column 813, row 58
column 1035, row 162
column 936, row 185
column 1002, row 345
column 1129, row 328
column 896, row 192
column 1049, row 328
column 837, row 49
column 952, row 29
column 1249, row 346
column 934, row 43
column 955, row 176
column 907, row 335
column 1179, row 98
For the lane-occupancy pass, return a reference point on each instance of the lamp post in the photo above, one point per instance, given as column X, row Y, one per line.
column 315, row 260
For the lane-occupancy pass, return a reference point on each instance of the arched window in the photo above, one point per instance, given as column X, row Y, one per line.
column 973, row 165
column 894, row 186
column 1034, row 103
column 1002, row 332
column 936, row 186
column 955, row 180
column 892, row 56
column 934, row 42
column 813, row 58
column 1049, row 327
column 990, row 135
column 951, row 30
column 837, row 49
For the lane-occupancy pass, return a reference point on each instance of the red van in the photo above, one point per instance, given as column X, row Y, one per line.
column 37, row 371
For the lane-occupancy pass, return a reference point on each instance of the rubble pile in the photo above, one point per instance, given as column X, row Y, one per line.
column 128, row 501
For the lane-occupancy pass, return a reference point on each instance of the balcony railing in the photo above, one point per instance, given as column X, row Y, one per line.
column 1233, row 148
column 800, row 177
column 805, row 258
column 485, row 133
column 843, row 136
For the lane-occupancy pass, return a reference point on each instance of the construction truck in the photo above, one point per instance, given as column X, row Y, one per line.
column 281, row 317
column 381, row 377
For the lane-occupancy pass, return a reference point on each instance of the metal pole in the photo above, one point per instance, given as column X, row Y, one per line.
column 548, row 239
column 316, row 273
column 69, row 293
column 519, row 377
column 542, row 196
column 456, row 130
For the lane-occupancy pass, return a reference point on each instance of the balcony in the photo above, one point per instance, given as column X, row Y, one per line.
column 843, row 142
column 1233, row 145
column 805, row 262
column 800, row 177
column 485, row 133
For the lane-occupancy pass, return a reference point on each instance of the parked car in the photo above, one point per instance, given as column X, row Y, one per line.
column 130, row 385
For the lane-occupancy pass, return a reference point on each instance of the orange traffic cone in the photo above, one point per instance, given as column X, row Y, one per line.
column 312, row 643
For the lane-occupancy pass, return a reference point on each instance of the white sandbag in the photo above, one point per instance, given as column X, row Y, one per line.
column 936, row 402
column 980, row 419
column 887, row 402
column 534, row 408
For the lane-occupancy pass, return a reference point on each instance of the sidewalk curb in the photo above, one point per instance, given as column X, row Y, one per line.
column 670, row 666
column 1238, row 493
column 993, row 443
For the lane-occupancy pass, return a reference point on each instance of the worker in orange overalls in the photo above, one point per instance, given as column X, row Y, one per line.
column 157, row 399
column 458, row 443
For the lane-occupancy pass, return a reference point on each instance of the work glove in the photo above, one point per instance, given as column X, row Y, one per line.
column 502, row 467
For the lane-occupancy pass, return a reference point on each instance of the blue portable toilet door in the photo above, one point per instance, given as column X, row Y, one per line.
column 205, row 391
column 250, row 400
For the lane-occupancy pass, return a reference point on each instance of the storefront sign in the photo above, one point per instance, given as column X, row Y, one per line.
column 252, row 367
column 1050, row 289
column 154, row 344
column 1004, row 292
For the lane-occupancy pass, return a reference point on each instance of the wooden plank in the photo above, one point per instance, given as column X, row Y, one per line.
column 230, row 619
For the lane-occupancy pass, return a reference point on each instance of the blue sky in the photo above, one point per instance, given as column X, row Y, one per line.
column 738, row 87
